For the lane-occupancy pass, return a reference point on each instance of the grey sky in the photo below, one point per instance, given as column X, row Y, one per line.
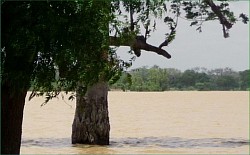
column 193, row 49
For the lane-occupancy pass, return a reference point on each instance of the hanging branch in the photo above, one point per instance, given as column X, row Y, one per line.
column 225, row 33
column 217, row 11
column 147, row 24
column 136, row 43
column 131, row 11
column 170, row 38
column 222, row 18
column 139, row 42
column 172, row 34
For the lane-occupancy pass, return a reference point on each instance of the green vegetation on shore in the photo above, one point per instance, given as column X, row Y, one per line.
column 165, row 79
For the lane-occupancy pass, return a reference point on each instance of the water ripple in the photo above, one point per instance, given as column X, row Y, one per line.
column 47, row 142
column 163, row 142
column 177, row 142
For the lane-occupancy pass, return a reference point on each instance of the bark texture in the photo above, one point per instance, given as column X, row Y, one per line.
column 91, row 121
column 12, row 117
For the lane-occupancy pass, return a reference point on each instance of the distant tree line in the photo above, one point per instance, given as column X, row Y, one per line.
column 165, row 79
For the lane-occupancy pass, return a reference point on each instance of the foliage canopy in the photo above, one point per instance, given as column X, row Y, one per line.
column 164, row 79
column 50, row 42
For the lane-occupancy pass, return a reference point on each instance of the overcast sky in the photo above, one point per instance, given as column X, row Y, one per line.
column 193, row 49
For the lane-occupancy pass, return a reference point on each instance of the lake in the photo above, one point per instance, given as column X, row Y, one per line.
column 174, row 122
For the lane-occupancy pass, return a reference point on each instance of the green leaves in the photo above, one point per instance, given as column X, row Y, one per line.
column 160, row 79
column 58, row 43
column 244, row 17
column 62, row 43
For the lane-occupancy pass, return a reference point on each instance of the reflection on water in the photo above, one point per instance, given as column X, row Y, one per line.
column 142, row 123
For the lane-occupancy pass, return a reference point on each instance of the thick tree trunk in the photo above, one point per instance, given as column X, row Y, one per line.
column 91, row 122
column 12, row 117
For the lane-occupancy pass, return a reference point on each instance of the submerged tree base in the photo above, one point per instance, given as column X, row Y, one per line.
column 91, row 121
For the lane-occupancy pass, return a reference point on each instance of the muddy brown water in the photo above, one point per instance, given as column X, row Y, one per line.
column 174, row 122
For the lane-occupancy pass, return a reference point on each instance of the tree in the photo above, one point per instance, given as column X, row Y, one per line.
column 226, row 82
column 40, row 39
column 244, row 80
column 124, row 82
column 202, row 81
column 72, row 38
column 188, row 78
column 158, row 79
column 174, row 77
column 152, row 79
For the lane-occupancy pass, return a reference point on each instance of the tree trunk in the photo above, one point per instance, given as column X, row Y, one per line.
column 12, row 117
column 91, row 121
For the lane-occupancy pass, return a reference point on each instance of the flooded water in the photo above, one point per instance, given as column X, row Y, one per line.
column 146, row 123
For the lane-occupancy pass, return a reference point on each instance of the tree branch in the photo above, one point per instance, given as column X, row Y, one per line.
column 217, row 11
column 131, row 17
column 137, row 45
